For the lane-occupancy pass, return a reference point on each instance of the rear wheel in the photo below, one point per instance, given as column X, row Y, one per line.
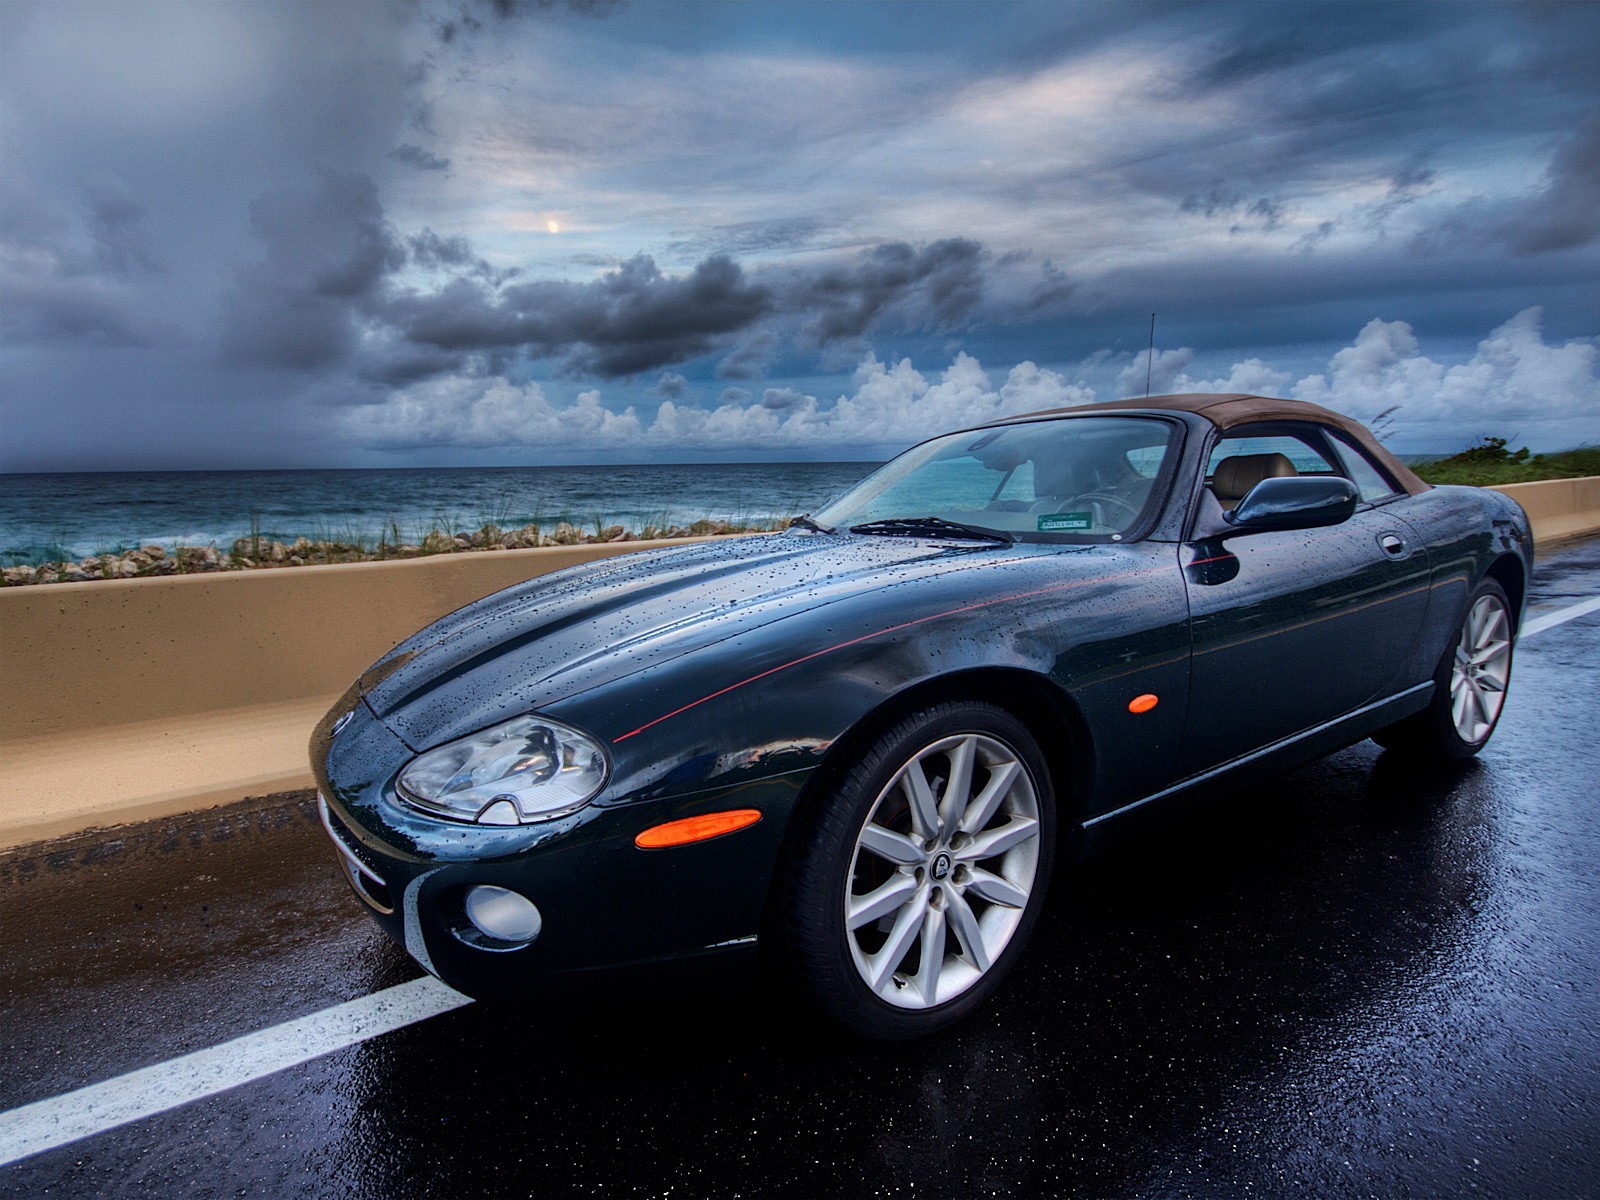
column 1470, row 684
column 916, row 882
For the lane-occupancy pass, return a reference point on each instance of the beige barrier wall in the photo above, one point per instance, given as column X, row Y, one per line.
column 76, row 655
column 134, row 699
column 141, row 698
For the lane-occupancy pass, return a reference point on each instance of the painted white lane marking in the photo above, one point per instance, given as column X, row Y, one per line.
column 73, row 1116
column 1560, row 616
column 46, row 1124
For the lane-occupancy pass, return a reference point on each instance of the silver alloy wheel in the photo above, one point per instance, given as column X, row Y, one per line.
column 1481, row 669
column 950, row 846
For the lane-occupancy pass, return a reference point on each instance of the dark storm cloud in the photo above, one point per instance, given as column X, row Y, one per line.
column 1567, row 212
column 430, row 249
column 116, row 226
column 636, row 317
column 933, row 287
column 415, row 156
column 437, row 252
column 1266, row 42
column 64, row 277
column 1563, row 214
column 1264, row 212
column 1329, row 91
column 671, row 386
column 627, row 321
column 751, row 237
column 816, row 184
column 476, row 17
column 1209, row 305
column 751, row 358
column 326, row 254
column 48, row 309
column 782, row 399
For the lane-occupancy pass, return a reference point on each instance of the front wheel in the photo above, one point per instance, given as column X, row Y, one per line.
column 1470, row 684
column 916, row 881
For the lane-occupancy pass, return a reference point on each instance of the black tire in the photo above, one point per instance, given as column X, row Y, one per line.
column 816, row 942
column 1433, row 732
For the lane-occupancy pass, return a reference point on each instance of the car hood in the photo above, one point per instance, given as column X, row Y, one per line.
column 578, row 628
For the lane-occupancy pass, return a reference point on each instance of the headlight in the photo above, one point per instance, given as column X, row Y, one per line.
column 527, row 769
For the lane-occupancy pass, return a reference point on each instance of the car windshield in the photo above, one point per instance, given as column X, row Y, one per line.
column 1077, row 478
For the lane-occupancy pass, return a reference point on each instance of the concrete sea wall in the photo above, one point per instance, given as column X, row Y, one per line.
column 127, row 700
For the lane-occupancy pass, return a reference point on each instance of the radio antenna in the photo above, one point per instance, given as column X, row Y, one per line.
column 1150, row 361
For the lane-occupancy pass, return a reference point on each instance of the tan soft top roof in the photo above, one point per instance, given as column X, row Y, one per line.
column 1227, row 410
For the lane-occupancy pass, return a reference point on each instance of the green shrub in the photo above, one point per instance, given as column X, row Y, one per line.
column 1490, row 461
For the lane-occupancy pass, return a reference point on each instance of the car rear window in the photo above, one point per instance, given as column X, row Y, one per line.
column 1306, row 460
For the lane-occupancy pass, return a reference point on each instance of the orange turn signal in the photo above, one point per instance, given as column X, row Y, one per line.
column 696, row 829
column 1144, row 703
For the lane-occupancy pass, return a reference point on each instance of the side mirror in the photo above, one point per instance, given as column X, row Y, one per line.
column 1295, row 502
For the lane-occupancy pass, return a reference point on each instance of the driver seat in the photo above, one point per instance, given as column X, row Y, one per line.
column 1238, row 473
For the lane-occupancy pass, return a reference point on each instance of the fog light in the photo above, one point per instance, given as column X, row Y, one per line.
column 502, row 914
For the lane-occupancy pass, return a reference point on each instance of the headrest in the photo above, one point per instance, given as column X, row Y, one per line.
column 1238, row 473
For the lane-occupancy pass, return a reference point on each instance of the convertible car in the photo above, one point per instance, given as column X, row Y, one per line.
column 865, row 744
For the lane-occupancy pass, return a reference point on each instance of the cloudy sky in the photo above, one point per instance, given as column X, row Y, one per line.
column 351, row 234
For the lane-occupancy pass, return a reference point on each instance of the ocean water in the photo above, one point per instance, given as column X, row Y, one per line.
column 51, row 517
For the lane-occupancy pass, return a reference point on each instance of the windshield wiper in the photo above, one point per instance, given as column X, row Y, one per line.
column 805, row 522
column 932, row 527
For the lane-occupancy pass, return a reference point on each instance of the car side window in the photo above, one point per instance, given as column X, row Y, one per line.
column 1370, row 482
column 1306, row 460
column 1246, row 456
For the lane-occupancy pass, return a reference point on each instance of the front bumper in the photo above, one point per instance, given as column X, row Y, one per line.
column 605, row 903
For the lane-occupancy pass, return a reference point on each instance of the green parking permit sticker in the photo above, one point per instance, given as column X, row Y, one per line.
column 1079, row 522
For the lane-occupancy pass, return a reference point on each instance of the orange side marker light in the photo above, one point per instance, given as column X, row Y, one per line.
column 696, row 829
column 1144, row 703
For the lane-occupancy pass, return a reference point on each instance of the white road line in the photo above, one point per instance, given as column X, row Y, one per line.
column 71, row 1117
column 1560, row 616
column 59, row 1120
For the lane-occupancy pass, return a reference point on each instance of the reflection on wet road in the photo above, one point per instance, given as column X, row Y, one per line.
column 1359, row 979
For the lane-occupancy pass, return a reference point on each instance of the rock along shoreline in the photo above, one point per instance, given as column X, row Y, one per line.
column 265, row 553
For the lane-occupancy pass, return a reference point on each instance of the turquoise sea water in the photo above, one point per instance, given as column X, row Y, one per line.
column 44, row 517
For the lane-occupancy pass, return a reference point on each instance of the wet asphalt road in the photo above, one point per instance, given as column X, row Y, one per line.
column 1359, row 980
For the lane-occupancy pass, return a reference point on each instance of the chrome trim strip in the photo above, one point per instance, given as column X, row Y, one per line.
column 339, row 844
column 1244, row 759
column 355, row 871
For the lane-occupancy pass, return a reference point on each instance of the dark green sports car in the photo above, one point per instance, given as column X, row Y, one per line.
column 864, row 745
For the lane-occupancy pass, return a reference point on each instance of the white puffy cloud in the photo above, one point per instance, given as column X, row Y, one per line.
column 1252, row 377
column 1155, row 374
column 1515, row 385
column 892, row 405
column 471, row 412
column 1168, row 373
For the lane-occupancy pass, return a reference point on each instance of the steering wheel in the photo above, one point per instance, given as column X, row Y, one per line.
column 1132, row 510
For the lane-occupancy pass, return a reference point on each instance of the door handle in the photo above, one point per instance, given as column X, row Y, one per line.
column 1392, row 545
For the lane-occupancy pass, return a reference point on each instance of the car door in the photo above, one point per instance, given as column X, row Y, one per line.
column 1292, row 629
